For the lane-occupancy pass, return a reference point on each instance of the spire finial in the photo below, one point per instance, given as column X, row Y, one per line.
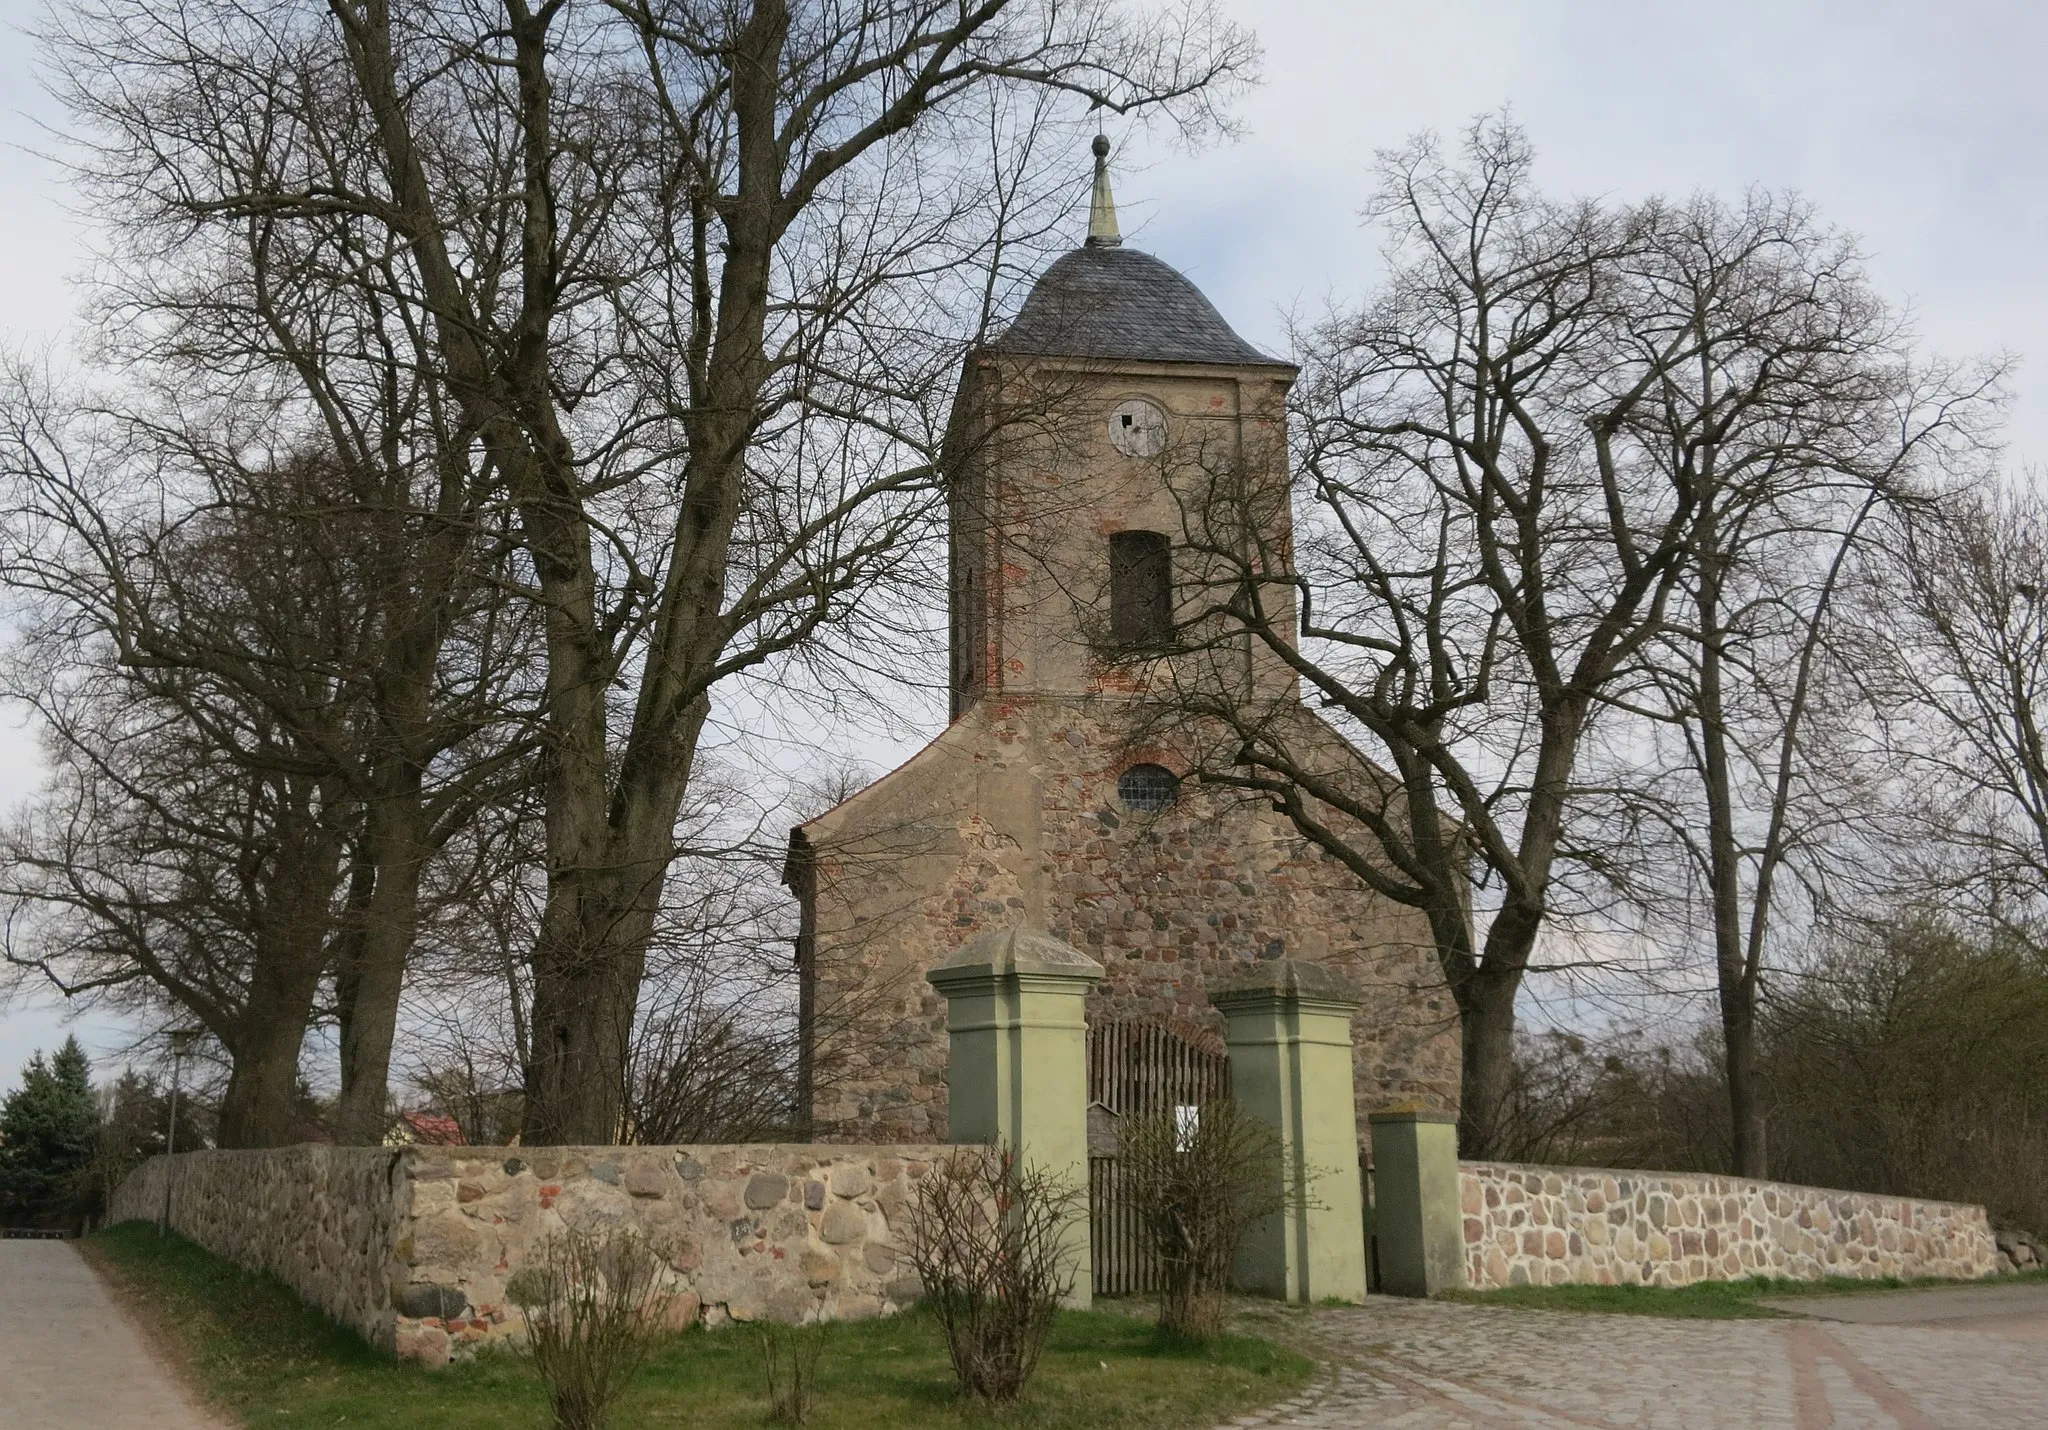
column 1102, row 230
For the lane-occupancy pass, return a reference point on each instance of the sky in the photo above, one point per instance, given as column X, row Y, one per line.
column 1917, row 126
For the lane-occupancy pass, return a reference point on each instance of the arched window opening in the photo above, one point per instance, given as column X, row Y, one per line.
column 1140, row 587
column 1148, row 789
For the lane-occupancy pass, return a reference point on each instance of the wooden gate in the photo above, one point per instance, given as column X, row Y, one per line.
column 1135, row 1070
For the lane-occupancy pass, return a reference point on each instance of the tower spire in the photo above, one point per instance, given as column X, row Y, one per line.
column 1102, row 230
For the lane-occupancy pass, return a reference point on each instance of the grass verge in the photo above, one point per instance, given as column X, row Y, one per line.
column 260, row 1354
column 1712, row 1300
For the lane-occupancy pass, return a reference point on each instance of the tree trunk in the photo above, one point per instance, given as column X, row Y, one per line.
column 588, row 965
column 1735, row 979
column 1486, row 1017
column 1483, row 983
column 605, row 882
column 396, row 844
column 261, row 1106
column 1745, row 1109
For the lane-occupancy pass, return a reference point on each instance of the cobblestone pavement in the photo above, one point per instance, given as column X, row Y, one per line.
column 1432, row 1365
column 2015, row 1309
column 69, row 1359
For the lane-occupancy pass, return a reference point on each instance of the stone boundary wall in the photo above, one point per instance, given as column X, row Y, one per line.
column 1546, row 1226
column 413, row 1246
column 323, row 1220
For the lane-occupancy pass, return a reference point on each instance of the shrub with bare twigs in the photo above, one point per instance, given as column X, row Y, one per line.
column 1201, row 1179
column 789, row 1363
column 592, row 1305
column 990, row 1240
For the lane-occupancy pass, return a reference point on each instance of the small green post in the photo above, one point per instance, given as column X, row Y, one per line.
column 1416, row 1214
column 1017, row 1067
column 1289, row 1033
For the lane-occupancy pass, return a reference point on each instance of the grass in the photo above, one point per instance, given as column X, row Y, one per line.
column 1712, row 1300
column 262, row 1355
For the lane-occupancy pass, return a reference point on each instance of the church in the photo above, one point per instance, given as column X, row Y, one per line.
column 1058, row 799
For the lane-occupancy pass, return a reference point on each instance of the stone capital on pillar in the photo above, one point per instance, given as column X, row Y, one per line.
column 1416, row 1216
column 1289, row 1034
column 1017, row 1065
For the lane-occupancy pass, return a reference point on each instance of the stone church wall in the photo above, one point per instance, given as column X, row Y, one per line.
column 1012, row 818
column 412, row 1247
column 1547, row 1226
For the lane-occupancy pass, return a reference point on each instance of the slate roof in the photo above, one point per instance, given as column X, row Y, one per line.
column 1118, row 303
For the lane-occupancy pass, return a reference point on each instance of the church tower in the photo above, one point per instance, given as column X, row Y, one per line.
column 1083, row 441
column 1082, row 436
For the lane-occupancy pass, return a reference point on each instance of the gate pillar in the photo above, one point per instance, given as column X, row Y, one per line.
column 1290, row 1067
column 1416, row 1215
column 1017, row 1067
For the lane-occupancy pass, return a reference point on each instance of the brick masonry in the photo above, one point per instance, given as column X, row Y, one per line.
column 1542, row 1226
column 413, row 1247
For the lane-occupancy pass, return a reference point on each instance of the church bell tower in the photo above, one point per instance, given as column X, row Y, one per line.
column 1083, row 455
column 1082, row 439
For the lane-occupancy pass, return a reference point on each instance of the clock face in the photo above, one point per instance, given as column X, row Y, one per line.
column 1137, row 428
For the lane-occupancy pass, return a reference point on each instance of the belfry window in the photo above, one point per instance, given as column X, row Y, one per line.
column 1140, row 587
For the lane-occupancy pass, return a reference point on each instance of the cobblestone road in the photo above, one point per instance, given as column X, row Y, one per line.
column 1429, row 1365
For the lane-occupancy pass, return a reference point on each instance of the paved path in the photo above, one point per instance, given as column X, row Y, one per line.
column 2019, row 1310
column 70, row 1359
column 1433, row 1365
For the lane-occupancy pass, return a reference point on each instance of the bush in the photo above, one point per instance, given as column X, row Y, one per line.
column 1199, row 1184
column 1904, row 1061
column 1619, row 1100
column 591, row 1309
column 989, row 1239
column 789, row 1363
column 1916, row 1064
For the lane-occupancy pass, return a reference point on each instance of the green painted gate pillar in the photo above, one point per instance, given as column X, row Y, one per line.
column 1290, row 1067
column 1415, row 1214
column 1017, row 1068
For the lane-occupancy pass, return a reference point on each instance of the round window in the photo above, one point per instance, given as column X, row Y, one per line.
column 1137, row 428
column 1148, row 788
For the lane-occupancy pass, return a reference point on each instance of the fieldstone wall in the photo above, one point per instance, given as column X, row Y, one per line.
column 413, row 1246
column 1537, row 1226
column 782, row 1233
column 1010, row 819
column 323, row 1220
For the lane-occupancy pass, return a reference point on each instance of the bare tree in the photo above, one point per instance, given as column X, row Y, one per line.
column 1800, row 416
column 1960, row 667
column 694, row 277
column 1572, row 453
column 173, row 881
column 318, row 615
column 1484, row 552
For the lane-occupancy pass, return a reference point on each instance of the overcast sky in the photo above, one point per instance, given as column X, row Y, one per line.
column 1919, row 126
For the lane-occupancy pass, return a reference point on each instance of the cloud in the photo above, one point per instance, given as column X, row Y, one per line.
column 1915, row 127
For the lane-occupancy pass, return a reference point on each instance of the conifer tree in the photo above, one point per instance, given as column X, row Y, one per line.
column 47, row 1136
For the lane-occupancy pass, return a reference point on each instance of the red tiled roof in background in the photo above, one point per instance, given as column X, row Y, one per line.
column 432, row 1130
